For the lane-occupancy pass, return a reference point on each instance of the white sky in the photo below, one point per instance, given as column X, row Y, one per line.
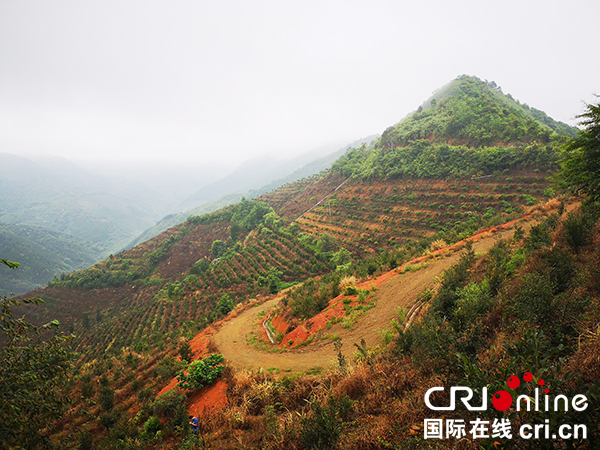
column 217, row 80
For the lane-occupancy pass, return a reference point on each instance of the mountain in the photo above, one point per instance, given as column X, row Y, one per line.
column 43, row 254
column 258, row 174
column 228, row 184
column 98, row 208
column 56, row 194
column 468, row 161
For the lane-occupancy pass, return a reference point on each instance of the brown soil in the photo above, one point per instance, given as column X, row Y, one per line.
column 394, row 289
column 400, row 287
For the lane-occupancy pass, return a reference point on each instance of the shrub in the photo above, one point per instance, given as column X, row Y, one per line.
column 322, row 428
column 578, row 227
column 202, row 372
column 107, row 398
column 171, row 406
column 110, row 419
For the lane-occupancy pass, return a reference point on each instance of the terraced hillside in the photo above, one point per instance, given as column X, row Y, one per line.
column 427, row 179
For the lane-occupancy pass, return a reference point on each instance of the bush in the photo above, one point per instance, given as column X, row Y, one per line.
column 202, row 372
column 152, row 426
column 322, row 428
column 107, row 398
column 578, row 227
column 171, row 406
column 110, row 419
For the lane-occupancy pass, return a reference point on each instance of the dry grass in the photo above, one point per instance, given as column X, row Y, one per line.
column 438, row 245
column 542, row 208
column 350, row 281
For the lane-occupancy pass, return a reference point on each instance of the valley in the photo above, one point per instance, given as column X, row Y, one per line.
column 443, row 252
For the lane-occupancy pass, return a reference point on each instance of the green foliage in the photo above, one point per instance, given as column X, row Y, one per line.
column 250, row 214
column 86, row 441
column 157, row 255
column 201, row 373
column 33, row 370
column 169, row 367
column 152, row 426
column 109, row 419
column 453, row 279
column 218, row 248
column 172, row 407
column 475, row 115
column 539, row 236
column 578, row 226
column 185, row 351
column 321, row 429
column 87, row 389
column 309, row 299
column 107, row 398
column 200, row 267
column 226, row 304
column 580, row 163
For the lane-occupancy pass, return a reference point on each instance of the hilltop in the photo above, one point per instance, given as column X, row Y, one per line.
column 468, row 159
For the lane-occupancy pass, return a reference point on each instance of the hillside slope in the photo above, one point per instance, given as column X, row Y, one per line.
column 430, row 181
column 230, row 189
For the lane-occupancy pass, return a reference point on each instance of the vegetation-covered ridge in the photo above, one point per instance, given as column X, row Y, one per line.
column 134, row 314
column 468, row 129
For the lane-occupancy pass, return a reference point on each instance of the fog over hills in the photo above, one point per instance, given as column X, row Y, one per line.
column 58, row 207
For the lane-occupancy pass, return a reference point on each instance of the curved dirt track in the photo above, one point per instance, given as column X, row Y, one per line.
column 398, row 290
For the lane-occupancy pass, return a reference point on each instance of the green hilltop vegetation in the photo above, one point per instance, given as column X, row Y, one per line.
column 469, row 128
column 469, row 158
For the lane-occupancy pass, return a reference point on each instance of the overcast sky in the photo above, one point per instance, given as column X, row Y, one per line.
column 193, row 80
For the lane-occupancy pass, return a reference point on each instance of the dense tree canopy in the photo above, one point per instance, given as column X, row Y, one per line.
column 470, row 128
column 581, row 160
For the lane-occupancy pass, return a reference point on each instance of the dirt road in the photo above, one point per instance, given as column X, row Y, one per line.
column 399, row 290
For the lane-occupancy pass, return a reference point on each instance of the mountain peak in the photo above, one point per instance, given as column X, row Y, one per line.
column 475, row 113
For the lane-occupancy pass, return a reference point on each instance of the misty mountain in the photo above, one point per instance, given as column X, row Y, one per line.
column 57, row 216
column 42, row 253
column 258, row 174
column 246, row 177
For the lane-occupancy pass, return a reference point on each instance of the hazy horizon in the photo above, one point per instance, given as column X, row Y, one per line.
column 226, row 82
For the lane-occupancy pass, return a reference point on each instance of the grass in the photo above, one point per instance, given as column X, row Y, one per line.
column 259, row 344
column 414, row 267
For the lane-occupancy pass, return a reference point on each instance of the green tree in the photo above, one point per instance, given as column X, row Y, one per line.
column 218, row 248
column 33, row 371
column 202, row 372
column 580, row 163
column 185, row 351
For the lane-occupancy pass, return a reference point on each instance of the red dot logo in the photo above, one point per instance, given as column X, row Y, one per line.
column 528, row 376
column 513, row 382
column 502, row 400
column 541, row 382
column 546, row 390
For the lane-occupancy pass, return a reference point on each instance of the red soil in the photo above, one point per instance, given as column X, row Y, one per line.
column 215, row 396
column 208, row 399
column 336, row 306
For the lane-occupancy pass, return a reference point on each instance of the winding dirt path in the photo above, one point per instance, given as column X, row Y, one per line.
column 394, row 290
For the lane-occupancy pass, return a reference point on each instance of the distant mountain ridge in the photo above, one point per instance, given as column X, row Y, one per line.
column 43, row 254
column 228, row 184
